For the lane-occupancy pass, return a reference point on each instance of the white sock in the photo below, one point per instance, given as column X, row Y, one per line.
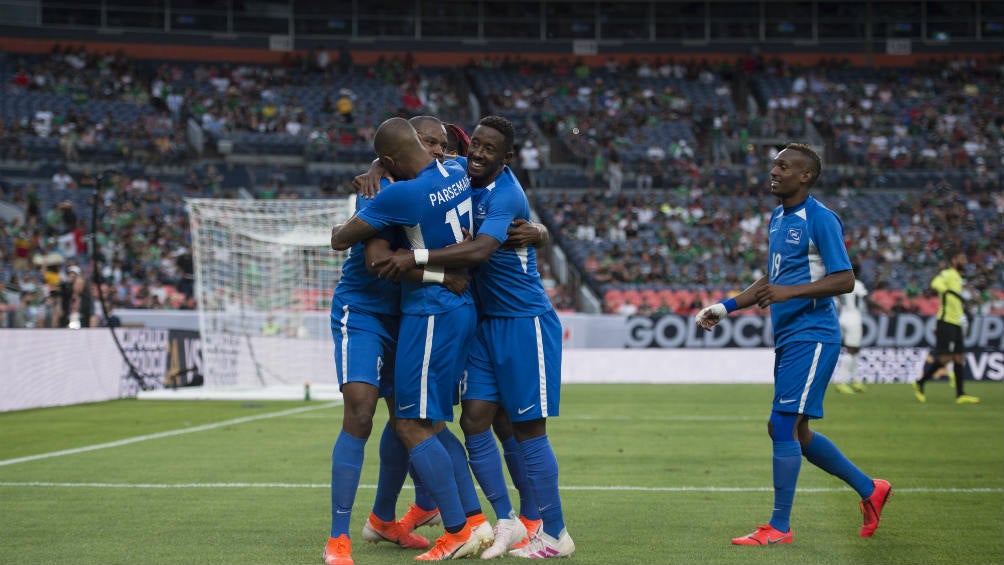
column 852, row 368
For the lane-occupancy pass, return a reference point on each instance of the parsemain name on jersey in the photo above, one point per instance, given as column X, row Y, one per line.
column 445, row 195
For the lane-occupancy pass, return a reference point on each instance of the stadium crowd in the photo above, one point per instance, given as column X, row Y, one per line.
column 651, row 179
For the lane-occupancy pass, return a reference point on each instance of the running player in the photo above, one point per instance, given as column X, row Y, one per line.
column 807, row 266
column 949, row 337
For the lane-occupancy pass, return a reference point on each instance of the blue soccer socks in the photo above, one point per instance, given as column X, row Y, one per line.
column 787, row 462
column 346, row 465
column 393, row 470
column 434, row 465
column 542, row 474
column 517, row 471
column 822, row 453
column 487, row 467
column 465, row 484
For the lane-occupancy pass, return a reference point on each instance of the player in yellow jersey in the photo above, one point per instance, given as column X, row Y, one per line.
column 949, row 335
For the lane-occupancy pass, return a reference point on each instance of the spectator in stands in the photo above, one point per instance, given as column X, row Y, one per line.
column 75, row 308
column 344, row 105
column 615, row 172
column 62, row 180
column 529, row 162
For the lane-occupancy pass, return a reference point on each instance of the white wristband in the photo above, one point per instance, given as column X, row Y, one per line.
column 433, row 274
column 421, row 256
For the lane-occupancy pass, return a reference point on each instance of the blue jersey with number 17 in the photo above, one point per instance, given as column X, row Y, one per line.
column 806, row 244
column 433, row 209
column 508, row 285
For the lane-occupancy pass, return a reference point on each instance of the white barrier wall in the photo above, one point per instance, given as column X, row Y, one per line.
column 60, row 367
column 57, row 367
column 667, row 366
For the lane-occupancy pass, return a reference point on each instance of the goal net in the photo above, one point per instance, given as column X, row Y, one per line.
column 264, row 275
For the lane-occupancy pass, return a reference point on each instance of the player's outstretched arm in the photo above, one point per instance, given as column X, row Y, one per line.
column 829, row 286
column 522, row 233
column 378, row 252
column 468, row 253
column 344, row 236
column 711, row 315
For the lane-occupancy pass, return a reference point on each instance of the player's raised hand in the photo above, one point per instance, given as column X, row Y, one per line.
column 711, row 315
column 367, row 184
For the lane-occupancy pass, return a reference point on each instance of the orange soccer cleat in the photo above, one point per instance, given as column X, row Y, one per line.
column 871, row 507
column 764, row 535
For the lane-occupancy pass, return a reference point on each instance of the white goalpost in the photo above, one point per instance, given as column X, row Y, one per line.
column 264, row 275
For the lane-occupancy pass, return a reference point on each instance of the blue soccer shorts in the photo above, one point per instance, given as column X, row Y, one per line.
column 365, row 347
column 802, row 370
column 431, row 352
column 516, row 362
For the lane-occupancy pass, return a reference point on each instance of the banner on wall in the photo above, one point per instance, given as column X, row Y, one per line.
column 893, row 347
column 903, row 365
column 162, row 358
column 904, row 330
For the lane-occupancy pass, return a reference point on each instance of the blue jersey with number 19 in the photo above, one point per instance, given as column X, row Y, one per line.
column 432, row 208
column 806, row 244
column 508, row 285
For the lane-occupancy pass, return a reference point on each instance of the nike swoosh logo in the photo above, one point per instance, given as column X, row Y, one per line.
column 773, row 541
column 522, row 411
column 399, row 407
column 343, row 512
column 783, row 401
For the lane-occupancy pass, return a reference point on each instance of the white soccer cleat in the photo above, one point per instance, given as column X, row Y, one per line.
column 484, row 533
column 508, row 532
column 544, row 546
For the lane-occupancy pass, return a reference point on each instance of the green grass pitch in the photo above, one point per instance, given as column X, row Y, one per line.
column 650, row 474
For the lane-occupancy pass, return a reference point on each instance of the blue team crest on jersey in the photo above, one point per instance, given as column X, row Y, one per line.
column 794, row 235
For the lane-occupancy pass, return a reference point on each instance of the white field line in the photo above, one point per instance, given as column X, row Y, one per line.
column 694, row 418
column 301, row 410
column 170, row 433
column 952, row 490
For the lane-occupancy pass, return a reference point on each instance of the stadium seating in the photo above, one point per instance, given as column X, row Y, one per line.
column 701, row 236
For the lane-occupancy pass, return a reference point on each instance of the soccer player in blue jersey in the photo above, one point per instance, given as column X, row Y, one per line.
column 515, row 361
column 449, row 139
column 364, row 324
column 432, row 203
column 808, row 266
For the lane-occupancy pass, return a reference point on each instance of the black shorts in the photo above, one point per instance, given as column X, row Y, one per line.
column 948, row 338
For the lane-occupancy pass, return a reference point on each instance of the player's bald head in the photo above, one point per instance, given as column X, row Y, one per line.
column 394, row 138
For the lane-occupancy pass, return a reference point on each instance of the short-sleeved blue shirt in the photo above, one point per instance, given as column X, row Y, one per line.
column 806, row 244
column 433, row 209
